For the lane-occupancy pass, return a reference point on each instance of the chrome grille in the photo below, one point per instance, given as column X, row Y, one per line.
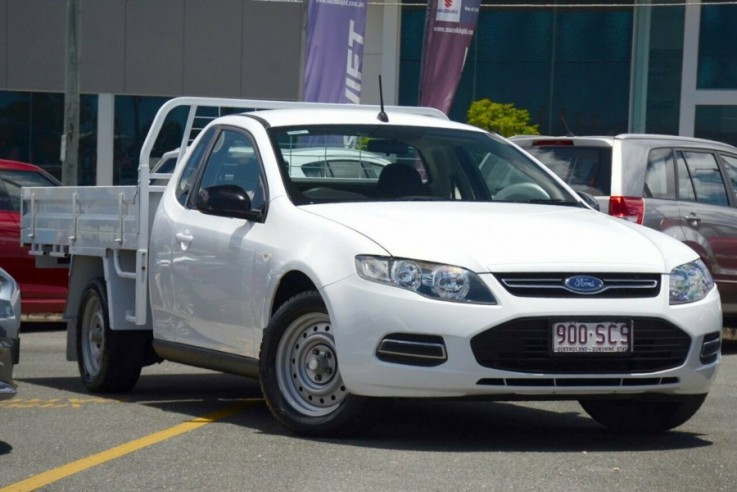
column 615, row 285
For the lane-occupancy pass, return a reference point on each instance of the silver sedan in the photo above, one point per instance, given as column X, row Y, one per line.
column 9, row 333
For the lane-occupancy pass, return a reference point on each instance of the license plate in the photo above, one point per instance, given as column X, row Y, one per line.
column 591, row 337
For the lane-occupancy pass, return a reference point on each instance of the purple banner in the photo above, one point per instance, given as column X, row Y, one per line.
column 449, row 28
column 334, row 50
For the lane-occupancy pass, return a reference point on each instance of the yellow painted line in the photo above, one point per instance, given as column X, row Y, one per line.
column 54, row 402
column 51, row 476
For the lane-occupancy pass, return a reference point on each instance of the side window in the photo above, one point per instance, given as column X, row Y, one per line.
column 189, row 173
column 730, row 163
column 11, row 183
column 233, row 161
column 685, row 186
column 5, row 203
column 706, row 177
column 660, row 175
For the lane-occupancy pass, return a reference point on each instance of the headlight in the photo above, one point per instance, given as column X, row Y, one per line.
column 690, row 282
column 6, row 310
column 446, row 282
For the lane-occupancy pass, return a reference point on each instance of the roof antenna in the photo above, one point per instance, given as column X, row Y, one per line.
column 382, row 115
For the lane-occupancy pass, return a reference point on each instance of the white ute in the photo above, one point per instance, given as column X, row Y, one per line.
column 463, row 269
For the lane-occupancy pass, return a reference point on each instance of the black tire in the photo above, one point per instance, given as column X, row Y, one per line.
column 300, row 376
column 109, row 361
column 643, row 416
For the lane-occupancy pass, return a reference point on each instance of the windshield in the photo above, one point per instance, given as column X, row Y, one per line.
column 383, row 162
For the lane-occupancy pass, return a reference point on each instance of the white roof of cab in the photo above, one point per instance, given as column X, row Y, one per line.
column 302, row 116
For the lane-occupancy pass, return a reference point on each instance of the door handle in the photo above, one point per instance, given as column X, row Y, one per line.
column 693, row 219
column 184, row 238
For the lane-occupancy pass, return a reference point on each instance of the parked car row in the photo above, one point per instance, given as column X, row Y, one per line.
column 683, row 187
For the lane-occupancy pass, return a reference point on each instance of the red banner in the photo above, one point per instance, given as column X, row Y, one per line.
column 449, row 29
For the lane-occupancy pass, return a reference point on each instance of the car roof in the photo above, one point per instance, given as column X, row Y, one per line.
column 17, row 165
column 302, row 116
column 674, row 140
column 10, row 165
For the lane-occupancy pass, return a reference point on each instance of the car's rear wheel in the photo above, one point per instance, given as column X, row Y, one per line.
column 300, row 372
column 646, row 416
column 108, row 361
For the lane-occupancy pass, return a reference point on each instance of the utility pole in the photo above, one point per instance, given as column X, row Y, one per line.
column 70, row 137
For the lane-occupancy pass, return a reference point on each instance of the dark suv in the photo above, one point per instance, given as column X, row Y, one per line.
column 684, row 187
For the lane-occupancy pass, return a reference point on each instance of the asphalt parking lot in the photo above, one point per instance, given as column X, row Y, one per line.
column 189, row 429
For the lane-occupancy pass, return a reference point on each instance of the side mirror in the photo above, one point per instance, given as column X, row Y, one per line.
column 589, row 200
column 225, row 200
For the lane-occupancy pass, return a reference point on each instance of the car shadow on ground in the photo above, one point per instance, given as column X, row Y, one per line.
column 439, row 425
column 729, row 347
column 509, row 426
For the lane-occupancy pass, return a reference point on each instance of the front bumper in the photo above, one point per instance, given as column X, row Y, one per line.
column 364, row 313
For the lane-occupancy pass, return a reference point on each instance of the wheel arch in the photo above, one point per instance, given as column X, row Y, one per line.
column 291, row 284
column 81, row 271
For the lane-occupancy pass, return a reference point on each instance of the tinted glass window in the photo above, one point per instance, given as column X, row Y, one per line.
column 717, row 41
column 730, row 163
column 685, row 185
column 133, row 118
column 12, row 181
column 587, row 169
column 716, row 122
column 233, row 161
column 706, row 177
column 188, row 174
column 660, row 176
column 362, row 165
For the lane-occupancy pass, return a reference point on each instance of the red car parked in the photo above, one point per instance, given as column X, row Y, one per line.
column 43, row 291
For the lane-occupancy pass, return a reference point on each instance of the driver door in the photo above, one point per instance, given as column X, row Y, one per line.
column 213, row 273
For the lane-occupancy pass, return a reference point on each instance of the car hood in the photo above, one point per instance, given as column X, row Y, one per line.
column 498, row 237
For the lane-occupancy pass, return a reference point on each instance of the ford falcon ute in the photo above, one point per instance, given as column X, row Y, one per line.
column 463, row 268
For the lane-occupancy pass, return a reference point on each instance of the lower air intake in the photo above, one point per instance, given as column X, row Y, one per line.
column 412, row 349
column 523, row 345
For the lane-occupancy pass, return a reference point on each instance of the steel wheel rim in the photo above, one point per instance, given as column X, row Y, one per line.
column 93, row 336
column 307, row 366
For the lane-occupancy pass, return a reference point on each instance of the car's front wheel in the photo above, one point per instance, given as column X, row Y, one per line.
column 300, row 372
column 647, row 416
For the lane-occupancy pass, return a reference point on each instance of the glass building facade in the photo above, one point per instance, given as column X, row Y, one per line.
column 577, row 67
column 569, row 67
column 31, row 125
column 717, row 70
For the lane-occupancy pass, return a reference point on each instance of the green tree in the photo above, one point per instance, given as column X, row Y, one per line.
column 504, row 119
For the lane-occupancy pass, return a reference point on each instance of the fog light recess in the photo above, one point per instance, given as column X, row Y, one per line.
column 412, row 349
column 711, row 347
